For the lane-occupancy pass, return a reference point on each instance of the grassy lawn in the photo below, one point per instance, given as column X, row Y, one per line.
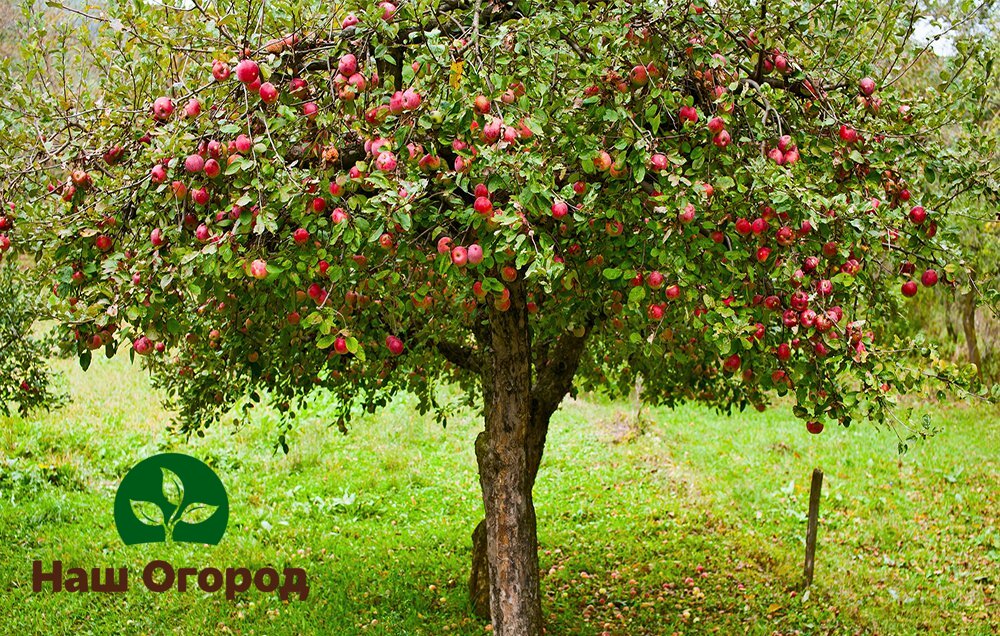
column 692, row 525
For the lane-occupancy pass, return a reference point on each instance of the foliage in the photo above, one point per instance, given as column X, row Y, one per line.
column 26, row 382
column 312, row 258
column 964, row 178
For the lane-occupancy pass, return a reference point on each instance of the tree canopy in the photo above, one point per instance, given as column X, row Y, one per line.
column 674, row 183
column 730, row 201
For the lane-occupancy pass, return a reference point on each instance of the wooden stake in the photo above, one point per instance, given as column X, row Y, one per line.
column 814, row 491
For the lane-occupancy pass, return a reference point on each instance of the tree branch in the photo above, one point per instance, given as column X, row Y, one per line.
column 554, row 374
column 461, row 356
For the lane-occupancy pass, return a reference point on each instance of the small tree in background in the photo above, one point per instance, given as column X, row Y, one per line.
column 520, row 198
column 26, row 383
column 964, row 177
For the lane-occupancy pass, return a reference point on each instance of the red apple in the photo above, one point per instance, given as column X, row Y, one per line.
column 258, row 269
column 687, row 214
column 194, row 163
column 483, row 205
column 723, row 139
column 474, row 254
column 848, row 134
column 247, row 71
column 732, row 363
column 340, row 345
column 394, row 344
column 688, row 114
column 200, row 196
column 212, row 169
column 162, row 108
column 142, row 345
column 243, row 144
column 348, row 65
column 268, row 93
column 220, row 70
column 602, row 162
column 411, row 99
column 158, row 174
column 655, row 280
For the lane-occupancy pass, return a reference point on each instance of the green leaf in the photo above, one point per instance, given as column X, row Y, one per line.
column 312, row 319
column 326, row 341
column 637, row 295
column 198, row 513
column 147, row 512
column 173, row 487
column 85, row 359
column 612, row 273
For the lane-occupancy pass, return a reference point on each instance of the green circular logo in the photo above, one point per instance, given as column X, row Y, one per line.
column 171, row 497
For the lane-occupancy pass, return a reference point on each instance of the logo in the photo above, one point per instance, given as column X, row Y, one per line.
column 167, row 498
column 171, row 498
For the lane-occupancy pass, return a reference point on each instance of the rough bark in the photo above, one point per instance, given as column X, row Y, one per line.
column 518, row 406
column 969, row 327
column 479, row 578
column 501, row 450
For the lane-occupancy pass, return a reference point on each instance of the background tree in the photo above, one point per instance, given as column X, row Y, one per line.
column 521, row 198
column 964, row 178
column 26, row 382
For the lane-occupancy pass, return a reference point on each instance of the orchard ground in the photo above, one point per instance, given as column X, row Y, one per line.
column 690, row 522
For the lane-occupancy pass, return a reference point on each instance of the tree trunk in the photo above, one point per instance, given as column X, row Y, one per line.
column 522, row 386
column 479, row 579
column 969, row 327
column 503, row 456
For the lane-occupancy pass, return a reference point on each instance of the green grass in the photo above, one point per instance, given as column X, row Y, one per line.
column 694, row 526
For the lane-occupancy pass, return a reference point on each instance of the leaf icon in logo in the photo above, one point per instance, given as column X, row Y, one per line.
column 173, row 487
column 147, row 512
column 198, row 513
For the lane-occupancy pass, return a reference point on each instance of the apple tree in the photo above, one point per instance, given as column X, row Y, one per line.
column 26, row 382
column 523, row 199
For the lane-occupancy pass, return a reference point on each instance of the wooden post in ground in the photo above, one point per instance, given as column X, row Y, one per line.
column 814, row 491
